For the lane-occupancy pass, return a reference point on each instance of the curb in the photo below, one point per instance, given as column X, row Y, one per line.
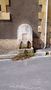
column 41, row 56
column 10, row 56
column 9, row 59
column 7, row 56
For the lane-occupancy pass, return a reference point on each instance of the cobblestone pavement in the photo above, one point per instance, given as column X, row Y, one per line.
column 32, row 74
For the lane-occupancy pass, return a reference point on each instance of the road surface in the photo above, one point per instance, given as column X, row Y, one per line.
column 32, row 74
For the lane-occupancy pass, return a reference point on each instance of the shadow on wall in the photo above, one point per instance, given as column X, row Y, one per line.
column 37, row 42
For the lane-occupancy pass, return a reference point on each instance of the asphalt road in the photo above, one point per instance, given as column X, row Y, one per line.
column 33, row 74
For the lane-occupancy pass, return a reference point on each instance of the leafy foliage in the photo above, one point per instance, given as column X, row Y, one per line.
column 22, row 56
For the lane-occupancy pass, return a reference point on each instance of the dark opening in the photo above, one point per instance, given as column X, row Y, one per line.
column 40, row 8
column 39, row 22
column 0, row 7
column 28, row 44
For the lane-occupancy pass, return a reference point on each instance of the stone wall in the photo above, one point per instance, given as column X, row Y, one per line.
column 8, row 44
column 49, row 24
column 22, row 12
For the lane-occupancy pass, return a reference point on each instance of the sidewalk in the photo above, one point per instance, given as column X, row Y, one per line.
column 7, row 56
column 43, row 52
column 39, row 53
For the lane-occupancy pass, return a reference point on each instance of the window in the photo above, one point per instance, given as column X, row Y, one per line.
column 4, row 14
column 40, row 7
column 0, row 7
column 39, row 22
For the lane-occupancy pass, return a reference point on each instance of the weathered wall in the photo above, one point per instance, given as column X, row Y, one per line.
column 49, row 10
column 49, row 24
column 22, row 11
column 43, row 23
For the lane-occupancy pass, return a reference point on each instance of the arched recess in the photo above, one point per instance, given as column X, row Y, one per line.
column 24, row 34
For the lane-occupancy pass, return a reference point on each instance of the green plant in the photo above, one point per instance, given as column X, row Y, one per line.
column 24, row 55
column 28, row 53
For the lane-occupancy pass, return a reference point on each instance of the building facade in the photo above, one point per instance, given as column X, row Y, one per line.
column 20, row 17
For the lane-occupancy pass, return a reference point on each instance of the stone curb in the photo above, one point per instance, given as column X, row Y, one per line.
column 7, row 56
column 10, row 56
